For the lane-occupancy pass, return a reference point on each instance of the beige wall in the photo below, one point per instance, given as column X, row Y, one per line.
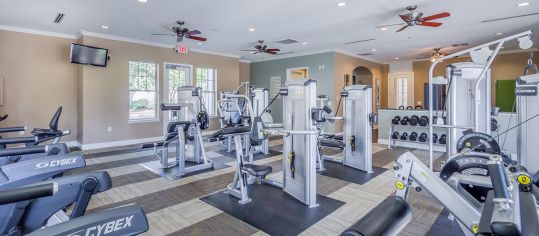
column 37, row 79
column 105, row 90
column 344, row 64
column 504, row 67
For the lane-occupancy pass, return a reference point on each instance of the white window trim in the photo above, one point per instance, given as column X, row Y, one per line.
column 157, row 96
column 214, row 89
column 289, row 71
column 165, row 81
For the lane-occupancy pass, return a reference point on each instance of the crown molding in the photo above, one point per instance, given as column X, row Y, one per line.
column 37, row 32
column 244, row 61
column 150, row 43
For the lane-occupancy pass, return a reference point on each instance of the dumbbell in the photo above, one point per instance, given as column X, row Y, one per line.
column 401, row 107
column 493, row 124
column 423, row 137
column 413, row 136
column 409, row 108
column 404, row 120
column 443, row 139
column 413, row 120
column 418, row 107
column 395, row 135
column 434, row 138
column 396, row 120
column 404, row 136
column 423, row 121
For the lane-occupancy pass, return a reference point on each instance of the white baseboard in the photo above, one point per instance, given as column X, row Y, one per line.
column 74, row 143
column 416, row 145
column 120, row 143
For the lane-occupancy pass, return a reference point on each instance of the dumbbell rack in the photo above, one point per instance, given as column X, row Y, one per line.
column 393, row 142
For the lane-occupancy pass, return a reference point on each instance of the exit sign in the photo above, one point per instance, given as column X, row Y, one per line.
column 182, row 48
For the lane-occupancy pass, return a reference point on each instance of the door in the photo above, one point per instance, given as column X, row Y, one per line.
column 175, row 76
column 401, row 89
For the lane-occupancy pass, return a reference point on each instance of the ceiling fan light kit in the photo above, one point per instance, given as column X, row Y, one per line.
column 416, row 18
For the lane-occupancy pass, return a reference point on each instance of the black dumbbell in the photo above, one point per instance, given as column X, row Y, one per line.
column 395, row 135
column 404, row 120
column 418, row 107
column 423, row 121
column 423, row 137
column 413, row 120
column 404, row 136
column 396, row 120
column 434, row 137
column 401, row 107
column 443, row 139
column 413, row 136
column 493, row 124
column 409, row 108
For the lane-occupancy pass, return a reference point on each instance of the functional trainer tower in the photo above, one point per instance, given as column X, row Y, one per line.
column 462, row 96
column 300, row 140
column 357, row 127
column 527, row 110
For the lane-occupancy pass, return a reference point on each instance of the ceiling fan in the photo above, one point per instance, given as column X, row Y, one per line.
column 262, row 48
column 416, row 18
column 180, row 32
column 438, row 54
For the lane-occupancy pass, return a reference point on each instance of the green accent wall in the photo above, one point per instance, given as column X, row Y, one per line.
column 263, row 70
column 505, row 95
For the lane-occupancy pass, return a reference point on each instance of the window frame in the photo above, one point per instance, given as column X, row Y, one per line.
column 157, row 93
column 215, row 113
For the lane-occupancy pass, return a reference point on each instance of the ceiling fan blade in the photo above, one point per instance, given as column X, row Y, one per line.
column 405, row 17
column 436, row 16
column 430, row 24
column 382, row 26
column 271, row 52
column 273, row 49
column 165, row 34
column 401, row 29
column 197, row 38
column 254, row 52
column 193, row 32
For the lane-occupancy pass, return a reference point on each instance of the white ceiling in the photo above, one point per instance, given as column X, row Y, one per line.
column 318, row 22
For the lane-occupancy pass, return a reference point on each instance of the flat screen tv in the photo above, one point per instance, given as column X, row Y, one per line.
column 88, row 55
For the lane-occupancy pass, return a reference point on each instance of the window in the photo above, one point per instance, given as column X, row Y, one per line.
column 297, row 73
column 142, row 91
column 206, row 79
column 402, row 92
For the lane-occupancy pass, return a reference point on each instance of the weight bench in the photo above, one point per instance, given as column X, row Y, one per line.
column 331, row 143
column 388, row 218
column 238, row 188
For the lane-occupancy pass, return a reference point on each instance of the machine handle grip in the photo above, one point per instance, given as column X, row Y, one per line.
column 28, row 193
column 13, row 129
column 498, row 178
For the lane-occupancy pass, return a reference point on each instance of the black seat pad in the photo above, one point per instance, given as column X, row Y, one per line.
column 380, row 220
column 257, row 170
column 332, row 143
column 235, row 130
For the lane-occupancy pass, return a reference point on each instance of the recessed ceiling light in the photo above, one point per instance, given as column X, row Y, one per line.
column 499, row 33
column 373, row 50
column 304, row 43
column 383, row 28
column 396, row 58
column 104, row 27
column 252, row 29
column 523, row 4
column 143, row 1
column 341, row 4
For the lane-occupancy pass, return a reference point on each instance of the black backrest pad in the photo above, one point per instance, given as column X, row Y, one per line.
column 54, row 121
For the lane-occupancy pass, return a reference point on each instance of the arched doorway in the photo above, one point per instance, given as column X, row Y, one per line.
column 362, row 75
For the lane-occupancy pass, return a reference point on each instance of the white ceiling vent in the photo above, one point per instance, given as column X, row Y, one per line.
column 510, row 17
column 360, row 41
column 59, row 18
column 288, row 41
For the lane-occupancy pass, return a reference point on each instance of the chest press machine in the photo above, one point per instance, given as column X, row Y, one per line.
column 357, row 129
column 299, row 154
column 184, row 135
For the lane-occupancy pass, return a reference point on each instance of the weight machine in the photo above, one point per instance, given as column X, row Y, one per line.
column 183, row 137
column 299, row 154
column 357, row 128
